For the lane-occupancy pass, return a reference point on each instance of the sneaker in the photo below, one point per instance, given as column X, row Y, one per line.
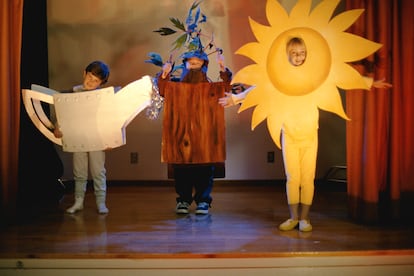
column 288, row 225
column 305, row 226
column 182, row 207
column 202, row 208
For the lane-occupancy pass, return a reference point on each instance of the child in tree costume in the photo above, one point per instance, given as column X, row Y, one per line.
column 193, row 128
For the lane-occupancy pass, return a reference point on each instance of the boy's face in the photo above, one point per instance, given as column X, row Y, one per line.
column 194, row 63
column 297, row 54
column 90, row 81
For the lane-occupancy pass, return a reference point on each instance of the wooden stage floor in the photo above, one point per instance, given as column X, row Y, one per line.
column 242, row 222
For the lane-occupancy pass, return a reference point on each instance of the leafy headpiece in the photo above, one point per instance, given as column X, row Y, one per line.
column 190, row 38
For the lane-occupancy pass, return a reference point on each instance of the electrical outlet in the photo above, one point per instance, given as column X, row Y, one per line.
column 270, row 157
column 133, row 157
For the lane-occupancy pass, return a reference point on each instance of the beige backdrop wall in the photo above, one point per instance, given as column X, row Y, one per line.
column 121, row 34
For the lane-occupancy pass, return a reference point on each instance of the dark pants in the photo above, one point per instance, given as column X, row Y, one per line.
column 199, row 177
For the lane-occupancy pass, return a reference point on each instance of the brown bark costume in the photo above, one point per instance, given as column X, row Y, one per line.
column 193, row 139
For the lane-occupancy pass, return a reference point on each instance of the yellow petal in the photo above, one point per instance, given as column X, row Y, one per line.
column 300, row 11
column 330, row 100
column 275, row 13
column 346, row 77
column 250, row 74
column 255, row 97
column 254, row 51
column 260, row 113
column 261, row 32
column 348, row 47
column 274, row 126
column 344, row 20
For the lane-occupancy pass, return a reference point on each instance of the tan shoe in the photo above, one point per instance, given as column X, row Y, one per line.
column 288, row 225
column 305, row 226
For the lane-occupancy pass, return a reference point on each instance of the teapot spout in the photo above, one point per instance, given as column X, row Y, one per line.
column 133, row 98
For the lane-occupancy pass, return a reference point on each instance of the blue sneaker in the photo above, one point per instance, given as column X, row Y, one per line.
column 202, row 208
column 182, row 207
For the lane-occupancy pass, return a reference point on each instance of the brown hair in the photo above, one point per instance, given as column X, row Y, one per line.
column 98, row 69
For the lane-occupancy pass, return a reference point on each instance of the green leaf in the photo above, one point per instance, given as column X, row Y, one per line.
column 165, row 31
column 195, row 4
column 180, row 41
column 177, row 23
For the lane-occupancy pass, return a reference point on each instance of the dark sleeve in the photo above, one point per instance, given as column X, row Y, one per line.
column 226, row 75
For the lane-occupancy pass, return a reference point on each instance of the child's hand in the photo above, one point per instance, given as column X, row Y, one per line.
column 166, row 69
column 381, row 84
column 227, row 100
column 220, row 61
column 57, row 133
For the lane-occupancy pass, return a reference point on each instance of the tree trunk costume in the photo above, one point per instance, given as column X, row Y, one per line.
column 193, row 135
column 193, row 139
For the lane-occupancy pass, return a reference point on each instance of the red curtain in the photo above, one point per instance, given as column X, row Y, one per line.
column 10, row 45
column 380, row 151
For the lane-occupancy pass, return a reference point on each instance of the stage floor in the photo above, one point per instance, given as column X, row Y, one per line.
column 242, row 222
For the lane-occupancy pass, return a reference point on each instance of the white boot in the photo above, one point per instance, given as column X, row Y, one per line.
column 77, row 206
column 100, row 204
column 102, row 209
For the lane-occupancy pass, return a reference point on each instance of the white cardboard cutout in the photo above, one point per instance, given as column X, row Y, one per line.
column 90, row 121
